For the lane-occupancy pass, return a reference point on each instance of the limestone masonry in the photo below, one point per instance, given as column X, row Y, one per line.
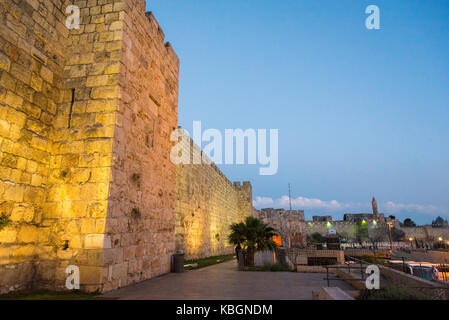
column 288, row 223
column 207, row 203
column 85, row 171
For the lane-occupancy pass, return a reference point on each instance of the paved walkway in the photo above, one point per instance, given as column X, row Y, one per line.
column 224, row 282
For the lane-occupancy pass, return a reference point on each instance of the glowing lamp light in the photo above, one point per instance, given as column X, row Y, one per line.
column 363, row 222
column 277, row 240
column 374, row 222
column 440, row 239
column 411, row 239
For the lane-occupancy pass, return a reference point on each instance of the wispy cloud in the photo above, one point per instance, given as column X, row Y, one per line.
column 308, row 203
column 393, row 207
column 334, row 206
column 262, row 201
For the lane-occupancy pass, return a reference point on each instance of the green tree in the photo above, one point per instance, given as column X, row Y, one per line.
column 362, row 232
column 315, row 238
column 409, row 223
column 252, row 235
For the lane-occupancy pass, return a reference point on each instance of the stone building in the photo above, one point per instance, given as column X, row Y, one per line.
column 374, row 216
column 322, row 218
column 288, row 223
column 439, row 222
column 85, row 171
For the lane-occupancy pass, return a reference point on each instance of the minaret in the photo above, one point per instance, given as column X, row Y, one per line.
column 375, row 208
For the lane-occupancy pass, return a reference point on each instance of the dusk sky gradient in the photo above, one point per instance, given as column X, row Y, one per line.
column 360, row 112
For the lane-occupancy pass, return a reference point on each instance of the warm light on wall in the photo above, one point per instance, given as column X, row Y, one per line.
column 277, row 240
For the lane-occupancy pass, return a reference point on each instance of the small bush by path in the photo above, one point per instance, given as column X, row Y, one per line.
column 389, row 293
column 205, row 262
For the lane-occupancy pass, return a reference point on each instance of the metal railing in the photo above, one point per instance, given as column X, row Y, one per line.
column 358, row 265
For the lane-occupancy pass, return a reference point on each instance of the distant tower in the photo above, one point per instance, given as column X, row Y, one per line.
column 375, row 208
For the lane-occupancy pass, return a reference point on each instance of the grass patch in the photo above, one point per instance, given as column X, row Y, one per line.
column 389, row 293
column 51, row 295
column 269, row 267
column 205, row 262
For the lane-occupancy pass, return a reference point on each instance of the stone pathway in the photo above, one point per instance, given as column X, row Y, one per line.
column 224, row 282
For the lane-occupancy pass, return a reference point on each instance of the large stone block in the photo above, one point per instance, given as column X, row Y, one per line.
column 93, row 275
column 97, row 241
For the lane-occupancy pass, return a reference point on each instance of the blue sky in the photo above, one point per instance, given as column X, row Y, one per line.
column 360, row 112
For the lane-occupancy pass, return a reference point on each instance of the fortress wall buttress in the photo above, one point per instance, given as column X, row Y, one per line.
column 141, row 217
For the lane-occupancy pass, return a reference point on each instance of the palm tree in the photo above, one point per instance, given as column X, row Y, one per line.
column 252, row 235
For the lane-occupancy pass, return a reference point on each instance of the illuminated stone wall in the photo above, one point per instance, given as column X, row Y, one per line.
column 342, row 227
column 76, row 209
column 422, row 233
column 141, row 215
column 33, row 48
column 207, row 203
column 426, row 233
column 85, row 118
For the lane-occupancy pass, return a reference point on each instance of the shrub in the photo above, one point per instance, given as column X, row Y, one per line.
column 389, row 293
column 268, row 267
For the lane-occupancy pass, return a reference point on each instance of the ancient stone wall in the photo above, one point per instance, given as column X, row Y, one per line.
column 141, row 215
column 289, row 224
column 33, row 48
column 421, row 233
column 426, row 233
column 342, row 227
column 76, row 209
column 207, row 203
column 85, row 119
